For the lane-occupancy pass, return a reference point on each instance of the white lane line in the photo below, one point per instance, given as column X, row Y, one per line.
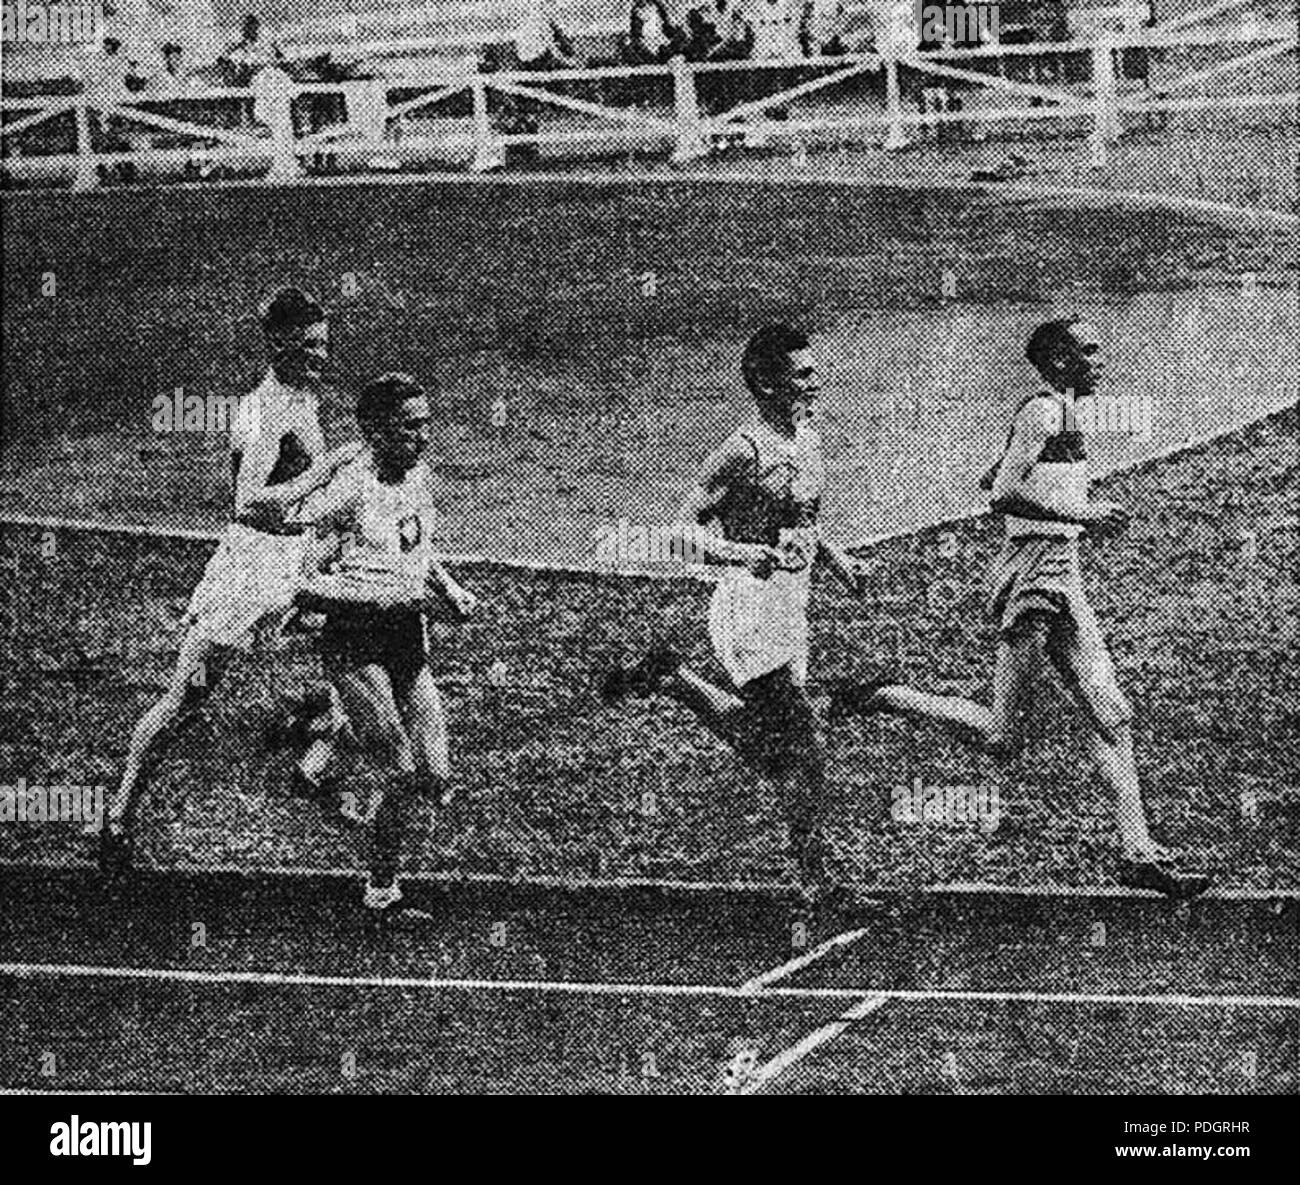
column 569, row 883
column 572, row 988
column 776, row 974
column 773, row 1069
column 632, row 883
column 95, row 526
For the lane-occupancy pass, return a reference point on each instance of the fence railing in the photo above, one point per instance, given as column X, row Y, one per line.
column 269, row 124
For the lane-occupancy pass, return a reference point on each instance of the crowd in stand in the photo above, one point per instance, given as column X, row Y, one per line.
column 143, row 56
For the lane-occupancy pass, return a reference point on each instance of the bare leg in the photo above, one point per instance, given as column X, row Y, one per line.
column 1118, row 768
column 1085, row 666
column 774, row 731
column 426, row 724
column 996, row 730
column 367, row 696
column 314, row 761
column 320, row 752
column 191, row 681
column 719, row 710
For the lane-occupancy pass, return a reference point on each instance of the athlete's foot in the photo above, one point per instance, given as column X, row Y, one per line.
column 116, row 849
column 643, row 677
column 855, row 697
column 1154, row 867
column 385, row 903
column 826, row 886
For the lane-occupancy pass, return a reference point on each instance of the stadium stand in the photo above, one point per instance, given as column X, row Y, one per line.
column 211, row 89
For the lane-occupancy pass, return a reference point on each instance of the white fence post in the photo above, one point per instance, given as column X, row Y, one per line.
column 488, row 153
column 895, row 137
column 690, row 143
column 1106, row 130
column 273, row 94
column 86, row 176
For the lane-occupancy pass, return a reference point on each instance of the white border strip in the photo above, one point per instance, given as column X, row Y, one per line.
column 90, row 1090
column 773, row 1069
column 575, row 884
column 848, row 938
column 571, row 988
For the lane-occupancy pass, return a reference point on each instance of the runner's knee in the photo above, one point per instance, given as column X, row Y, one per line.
column 1111, row 712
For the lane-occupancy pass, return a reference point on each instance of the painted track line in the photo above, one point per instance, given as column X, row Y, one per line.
column 770, row 1071
column 572, row 988
column 91, row 526
column 578, row 884
column 776, row 974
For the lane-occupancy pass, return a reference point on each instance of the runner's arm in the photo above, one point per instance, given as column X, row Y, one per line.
column 850, row 572
column 441, row 583
column 277, row 500
column 1012, row 492
column 328, row 509
column 701, row 507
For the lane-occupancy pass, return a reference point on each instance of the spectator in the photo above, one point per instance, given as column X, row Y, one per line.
column 250, row 54
column 652, row 38
column 540, row 43
column 1135, row 60
column 172, row 79
column 734, row 31
column 134, row 25
column 725, row 29
column 191, row 25
column 701, row 35
column 822, row 31
column 894, row 27
column 776, row 26
column 113, row 79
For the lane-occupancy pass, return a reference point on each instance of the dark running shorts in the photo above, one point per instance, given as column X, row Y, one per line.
column 365, row 635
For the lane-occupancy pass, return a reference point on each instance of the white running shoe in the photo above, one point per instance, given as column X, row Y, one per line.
column 381, row 898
